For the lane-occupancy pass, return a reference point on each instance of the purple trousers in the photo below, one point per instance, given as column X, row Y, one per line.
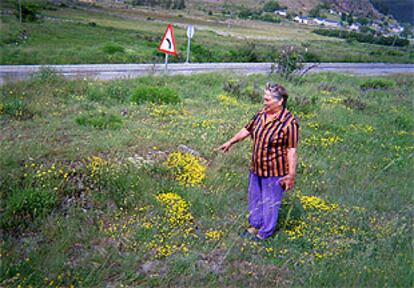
column 264, row 200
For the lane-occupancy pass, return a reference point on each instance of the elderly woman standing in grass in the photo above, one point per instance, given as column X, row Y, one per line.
column 274, row 132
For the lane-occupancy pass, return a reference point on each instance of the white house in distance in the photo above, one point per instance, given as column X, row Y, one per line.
column 354, row 27
column 319, row 21
column 332, row 12
column 281, row 12
column 301, row 19
column 330, row 23
column 396, row 29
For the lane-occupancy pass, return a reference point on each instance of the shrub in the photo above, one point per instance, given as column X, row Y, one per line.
column 403, row 122
column 241, row 91
column 289, row 61
column 161, row 95
column 117, row 91
column 363, row 37
column 354, row 103
column 290, row 210
column 24, row 205
column 200, row 53
column 112, row 48
column 47, row 75
column 100, row 121
column 377, row 84
column 234, row 87
column 303, row 104
column 29, row 10
column 16, row 109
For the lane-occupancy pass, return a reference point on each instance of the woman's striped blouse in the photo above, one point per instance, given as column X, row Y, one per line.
column 271, row 139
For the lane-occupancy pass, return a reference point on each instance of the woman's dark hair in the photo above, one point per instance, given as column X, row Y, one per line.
column 277, row 91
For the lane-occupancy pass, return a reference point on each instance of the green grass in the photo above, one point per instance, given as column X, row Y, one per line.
column 98, row 220
column 103, row 35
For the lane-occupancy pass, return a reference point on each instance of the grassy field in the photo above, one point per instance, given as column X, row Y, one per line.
column 115, row 35
column 95, row 191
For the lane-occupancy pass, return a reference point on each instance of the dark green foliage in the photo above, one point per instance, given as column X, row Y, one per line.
column 100, row 121
column 201, row 53
column 29, row 11
column 23, row 205
column 403, row 122
column 303, row 104
column 291, row 209
column 242, row 91
column 168, row 4
column 271, row 6
column 112, row 48
column 114, row 92
column 290, row 61
column 355, row 103
column 15, row 109
column 270, row 18
column 47, row 75
column 377, row 84
column 363, row 37
column 315, row 12
column 161, row 95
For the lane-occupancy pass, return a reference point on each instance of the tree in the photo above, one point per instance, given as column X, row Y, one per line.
column 271, row 6
column 179, row 4
column 408, row 30
column 315, row 12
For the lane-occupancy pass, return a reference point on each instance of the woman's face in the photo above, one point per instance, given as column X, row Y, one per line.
column 270, row 103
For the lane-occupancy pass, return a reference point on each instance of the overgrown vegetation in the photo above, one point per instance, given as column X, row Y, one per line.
column 151, row 203
column 363, row 37
column 75, row 36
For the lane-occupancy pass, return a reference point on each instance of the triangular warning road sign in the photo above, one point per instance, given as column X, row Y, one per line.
column 167, row 44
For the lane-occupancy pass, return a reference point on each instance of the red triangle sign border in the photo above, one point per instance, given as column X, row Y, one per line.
column 174, row 52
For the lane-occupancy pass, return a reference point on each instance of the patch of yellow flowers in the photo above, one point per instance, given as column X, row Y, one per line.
column 314, row 202
column 175, row 208
column 175, row 227
column 227, row 100
column 213, row 234
column 187, row 168
column 95, row 163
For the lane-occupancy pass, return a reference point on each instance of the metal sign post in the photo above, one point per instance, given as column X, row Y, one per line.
column 167, row 44
column 190, row 34
column 166, row 62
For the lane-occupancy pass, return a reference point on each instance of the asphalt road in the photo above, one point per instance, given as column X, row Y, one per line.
column 119, row 71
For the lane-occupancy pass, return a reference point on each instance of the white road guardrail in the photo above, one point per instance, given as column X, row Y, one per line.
column 119, row 71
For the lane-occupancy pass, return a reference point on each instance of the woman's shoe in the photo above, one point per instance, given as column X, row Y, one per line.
column 245, row 234
column 256, row 238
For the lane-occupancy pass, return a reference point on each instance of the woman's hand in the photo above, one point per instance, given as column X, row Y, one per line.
column 225, row 147
column 287, row 182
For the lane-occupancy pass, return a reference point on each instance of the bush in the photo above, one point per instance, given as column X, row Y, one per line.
column 241, row 91
column 113, row 92
column 199, row 53
column 112, row 48
column 290, row 61
column 117, row 91
column 354, row 103
column 47, row 75
column 24, row 205
column 303, row 104
column 377, row 84
column 363, row 37
column 160, row 95
column 29, row 10
column 100, row 121
column 16, row 109
column 290, row 210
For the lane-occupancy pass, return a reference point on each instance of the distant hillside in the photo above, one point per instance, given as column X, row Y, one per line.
column 402, row 10
column 356, row 7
